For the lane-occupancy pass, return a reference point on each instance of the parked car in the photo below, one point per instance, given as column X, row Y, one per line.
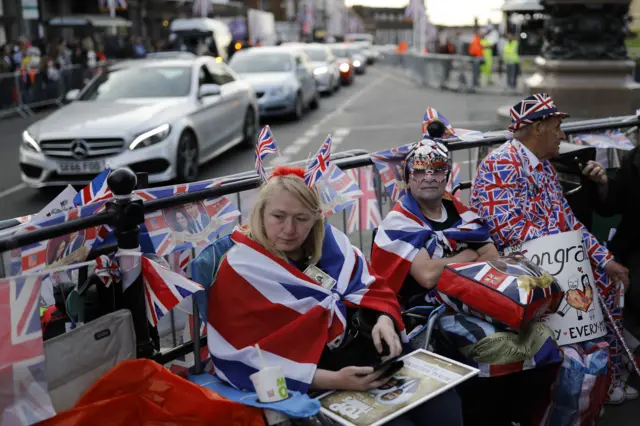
column 325, row 68
column 282, row 78
column 164, row 117
column 345, row 63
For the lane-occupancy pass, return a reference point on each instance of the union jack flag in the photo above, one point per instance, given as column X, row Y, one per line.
column 96, row 190
column 179, row 261
column 430, row 115
column 164, row 289
column 365, row 213
column 607, row 139
column 74, row 247
column 337, row 190
column 213, row 216
column 266, row 145
column 454, row 180
column 319, row 164
column 390, row 166
column 24, row 399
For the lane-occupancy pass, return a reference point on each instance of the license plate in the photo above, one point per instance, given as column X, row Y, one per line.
column 80, row 167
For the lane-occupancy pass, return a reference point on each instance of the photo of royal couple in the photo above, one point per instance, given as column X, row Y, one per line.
column 190, row 218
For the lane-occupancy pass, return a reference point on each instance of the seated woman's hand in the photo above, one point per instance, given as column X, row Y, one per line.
column 384, row 330
column 359, row 378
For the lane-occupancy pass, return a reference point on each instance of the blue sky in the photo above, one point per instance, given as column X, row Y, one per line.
column 447, row 12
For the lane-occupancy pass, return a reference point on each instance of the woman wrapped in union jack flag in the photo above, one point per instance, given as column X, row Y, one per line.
column 296, row 287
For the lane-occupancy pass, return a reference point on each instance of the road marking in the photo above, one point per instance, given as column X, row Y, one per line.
column 342, row 132
column 13, row 189
column 314, row 130
column 292, row 149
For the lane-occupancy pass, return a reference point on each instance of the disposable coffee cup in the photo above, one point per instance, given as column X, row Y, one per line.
column 270, row 384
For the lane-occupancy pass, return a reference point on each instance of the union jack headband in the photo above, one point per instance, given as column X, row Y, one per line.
column 533, row 108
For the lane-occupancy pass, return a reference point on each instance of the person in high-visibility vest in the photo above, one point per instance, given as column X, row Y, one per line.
column 475, row 50
column 487, row 53
column 511, row 59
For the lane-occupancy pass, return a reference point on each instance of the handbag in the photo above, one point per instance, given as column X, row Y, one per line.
column 357, row 348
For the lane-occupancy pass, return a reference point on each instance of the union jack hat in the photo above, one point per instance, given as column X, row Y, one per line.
column 534, row 108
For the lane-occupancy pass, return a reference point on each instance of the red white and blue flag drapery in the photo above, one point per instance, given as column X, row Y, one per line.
column 405, row 231
column 293, row 332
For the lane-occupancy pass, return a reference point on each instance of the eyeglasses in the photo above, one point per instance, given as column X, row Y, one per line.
column 437, row 176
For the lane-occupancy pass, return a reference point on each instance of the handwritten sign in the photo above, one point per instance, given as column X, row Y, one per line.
column 579, row 317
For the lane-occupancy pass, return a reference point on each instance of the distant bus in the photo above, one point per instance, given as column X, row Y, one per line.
column 359, row 37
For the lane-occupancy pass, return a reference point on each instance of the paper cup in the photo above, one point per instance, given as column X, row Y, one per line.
column 270, row 384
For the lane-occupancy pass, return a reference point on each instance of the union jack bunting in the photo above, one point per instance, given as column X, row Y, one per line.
column 107, row 270
column 607, row 139
column 62, row 250
column 429, row 116
column 164, row 289
column 320, row 163
column 390, row 166
column 533, row 108
column 454, row 180
column 96, row 190
column 266, row 145
column 171, row 190
column 364, row 214
column 405, row 231
column 337, row 190
column 260, row 298
column 517, row 212
column 24, row 398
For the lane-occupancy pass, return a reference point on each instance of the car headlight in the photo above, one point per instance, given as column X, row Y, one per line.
column 321, row 70
column 29, row 142
column 356, row 63
column 153, row 136
column 344, row 67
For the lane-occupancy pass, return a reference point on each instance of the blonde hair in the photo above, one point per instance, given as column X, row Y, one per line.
column 309, row 197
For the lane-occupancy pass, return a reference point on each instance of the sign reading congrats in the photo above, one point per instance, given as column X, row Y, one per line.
column 579, row 317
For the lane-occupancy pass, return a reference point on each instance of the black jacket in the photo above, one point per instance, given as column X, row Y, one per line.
column 624, row 198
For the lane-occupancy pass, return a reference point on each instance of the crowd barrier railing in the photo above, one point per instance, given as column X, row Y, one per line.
column 438, row 71
column 126, row 214
column 25, row 90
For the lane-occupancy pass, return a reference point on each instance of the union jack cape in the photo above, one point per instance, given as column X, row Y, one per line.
column 260, row 298
column 405, row 231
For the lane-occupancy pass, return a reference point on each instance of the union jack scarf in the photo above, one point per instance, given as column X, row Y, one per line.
column 260, row 298
column 405, row 231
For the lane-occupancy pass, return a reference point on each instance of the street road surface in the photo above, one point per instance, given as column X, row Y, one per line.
column 381, row 110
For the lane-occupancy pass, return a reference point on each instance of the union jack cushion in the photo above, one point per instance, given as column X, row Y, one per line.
column 533, row 108
column 510, row 291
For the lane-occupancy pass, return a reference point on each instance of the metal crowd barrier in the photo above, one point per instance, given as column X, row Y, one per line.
column 23, row 91
column 438, row 71
column 126, row 214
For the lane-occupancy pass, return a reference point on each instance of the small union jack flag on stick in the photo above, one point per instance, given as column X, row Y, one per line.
column 319, row 164
column 266, row 145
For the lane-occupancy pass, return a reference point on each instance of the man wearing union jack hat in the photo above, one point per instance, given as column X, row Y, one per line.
column 518, row 193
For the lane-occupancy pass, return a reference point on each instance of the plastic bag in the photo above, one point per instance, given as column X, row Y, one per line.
column 143, row 393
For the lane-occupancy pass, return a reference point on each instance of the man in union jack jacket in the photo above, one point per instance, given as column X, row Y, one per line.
column 518, row 194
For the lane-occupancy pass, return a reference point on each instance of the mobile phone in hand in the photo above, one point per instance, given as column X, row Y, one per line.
column 392, row 369
column 384, row 364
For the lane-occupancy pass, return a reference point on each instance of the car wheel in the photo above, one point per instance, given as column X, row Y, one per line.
column 249, row 129
column 187, row 160
column 315, row 102
column 298, row 108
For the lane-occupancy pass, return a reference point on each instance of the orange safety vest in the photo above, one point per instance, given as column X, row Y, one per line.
column 475, row 48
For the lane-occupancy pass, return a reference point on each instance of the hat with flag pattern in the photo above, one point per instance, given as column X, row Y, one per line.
column 533, row 108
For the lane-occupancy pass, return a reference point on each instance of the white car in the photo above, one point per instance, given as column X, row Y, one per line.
column 161, row 116
column 325, row 66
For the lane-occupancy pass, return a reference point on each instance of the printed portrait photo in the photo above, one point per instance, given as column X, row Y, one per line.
column 61, row 247
column 190, row 218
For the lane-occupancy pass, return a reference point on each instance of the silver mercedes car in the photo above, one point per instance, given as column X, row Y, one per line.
column 162, row 116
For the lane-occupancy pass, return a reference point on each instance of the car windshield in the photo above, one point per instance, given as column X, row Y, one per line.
column 340, row 52
column 355, row 50
column 316, row 55
column 261, row 62
column 141, row 82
